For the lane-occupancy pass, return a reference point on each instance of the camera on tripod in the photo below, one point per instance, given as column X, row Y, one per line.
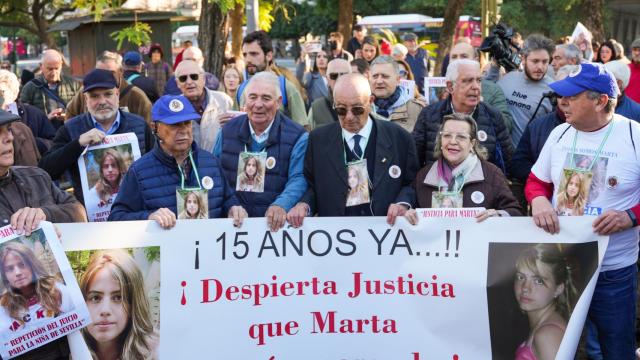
column 500, row 47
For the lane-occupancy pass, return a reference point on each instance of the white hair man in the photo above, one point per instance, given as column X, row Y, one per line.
column 463, row 84
column 321, row 111
column 566, row 54
column 192, row 53
column 51, row 91
column 393, row 101
column 625, row 106
column 264, row 130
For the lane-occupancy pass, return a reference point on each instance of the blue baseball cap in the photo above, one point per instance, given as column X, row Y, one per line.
column 99, row 79
column 132, row 58
column 589, row 76
column 172, row 109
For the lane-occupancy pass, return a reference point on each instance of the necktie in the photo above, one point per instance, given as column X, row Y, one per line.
column 357, row 150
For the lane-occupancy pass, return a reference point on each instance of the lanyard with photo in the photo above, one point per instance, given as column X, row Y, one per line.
column 596, row 157
column 449, row 199
column 251, row 171
column 358, row 180
column 183, row 193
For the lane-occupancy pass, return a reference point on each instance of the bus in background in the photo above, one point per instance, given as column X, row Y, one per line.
column 427, row 28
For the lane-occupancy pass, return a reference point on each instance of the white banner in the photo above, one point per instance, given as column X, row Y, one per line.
column 350, row 288
column 102, row 168
column 34, row 268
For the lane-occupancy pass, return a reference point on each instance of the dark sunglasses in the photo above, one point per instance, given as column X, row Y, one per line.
column 356, row 110
column 335, row 76
column 183, row 78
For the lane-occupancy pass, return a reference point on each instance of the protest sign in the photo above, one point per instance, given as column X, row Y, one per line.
column 433, row 88
column 408, row 86
column 102, row 168
column 36, row 267
column 449, row 212
column 346, row 288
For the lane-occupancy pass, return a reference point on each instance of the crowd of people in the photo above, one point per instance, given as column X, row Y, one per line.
column 350, row 133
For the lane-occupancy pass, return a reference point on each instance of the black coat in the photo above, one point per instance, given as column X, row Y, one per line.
column 145, row 84
column 489, row 121
column 326, row 172
column 39, row 124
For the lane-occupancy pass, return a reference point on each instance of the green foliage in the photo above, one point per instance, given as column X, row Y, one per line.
column 305, row 18
column 137, row 34
column 97, row 7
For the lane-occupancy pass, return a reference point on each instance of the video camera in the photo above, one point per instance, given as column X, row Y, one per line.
column 500, row 47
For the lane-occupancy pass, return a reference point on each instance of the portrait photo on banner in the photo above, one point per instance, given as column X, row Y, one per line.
column 533, row 288
column 121, row 288
column 102, row 169
column 37, row 297
column 251, row 172
column 192, row 204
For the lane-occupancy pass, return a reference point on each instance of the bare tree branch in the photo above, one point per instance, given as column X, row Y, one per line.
column 58, row 13
column 19, row 25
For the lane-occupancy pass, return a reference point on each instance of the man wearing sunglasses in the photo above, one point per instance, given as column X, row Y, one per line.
column 211, row 105
column 192, row 53
column 380, row 149
column 392, row 101
column 321, row 111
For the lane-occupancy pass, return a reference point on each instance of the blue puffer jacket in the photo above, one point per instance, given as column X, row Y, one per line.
column 283, row 136
column 151, row 182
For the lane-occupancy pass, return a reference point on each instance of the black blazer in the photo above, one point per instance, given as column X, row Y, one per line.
column 326, row 173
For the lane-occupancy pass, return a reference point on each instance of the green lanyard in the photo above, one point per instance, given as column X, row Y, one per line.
column 195, row 170
column 344, row 153
column 573, row 148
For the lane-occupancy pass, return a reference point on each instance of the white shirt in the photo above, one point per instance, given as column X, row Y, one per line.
column 365, row 132
column 262, row 137
column 616, row 176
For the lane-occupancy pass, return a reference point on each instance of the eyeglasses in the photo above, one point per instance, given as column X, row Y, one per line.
column 355, row 110
column 335, row 76
column 404, row 73
column 183, row 78
column 448, row 136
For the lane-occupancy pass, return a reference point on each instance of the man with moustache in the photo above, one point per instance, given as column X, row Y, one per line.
column 464, row 80
column 381, row 149
column 104, row 117
column 132, row 99
column 321, row 111
column 257, row 51
column 392, row 101
column 524, row 90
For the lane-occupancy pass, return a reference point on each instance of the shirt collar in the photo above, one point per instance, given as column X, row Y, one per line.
column 114, row 127
column 365, row 132
column 262, row 137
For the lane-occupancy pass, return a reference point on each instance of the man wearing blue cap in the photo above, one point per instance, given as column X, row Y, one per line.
column 590, row 166
column 132, row 66
column 174, row 170
column 103, row 118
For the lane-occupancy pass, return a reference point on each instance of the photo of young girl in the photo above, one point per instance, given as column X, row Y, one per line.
column 358, row 180
column 446, row 200
column 192, row 204
column 251, row 172
column 572, row 195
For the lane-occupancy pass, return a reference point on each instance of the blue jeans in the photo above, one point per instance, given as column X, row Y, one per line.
column 613, row 315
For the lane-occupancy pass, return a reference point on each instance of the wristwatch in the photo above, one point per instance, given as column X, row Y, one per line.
column 632, row 216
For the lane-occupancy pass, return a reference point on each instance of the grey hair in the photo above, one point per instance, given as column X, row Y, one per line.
column 12, row 81
column 571, row 51
column 536, row 42
column 268, row 78
column 611, row 103
column 620, row 71
column 109, row 56
column 386, row 59
column 454, row 68
column 566, row 70
column 478, row 149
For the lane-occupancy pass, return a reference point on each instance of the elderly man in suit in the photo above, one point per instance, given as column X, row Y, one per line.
column 360, row 165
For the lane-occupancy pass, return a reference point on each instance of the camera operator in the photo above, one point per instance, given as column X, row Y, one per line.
column 336, row 40
column 524, row 89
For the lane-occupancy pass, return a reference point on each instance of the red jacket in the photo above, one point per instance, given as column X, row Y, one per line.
column 633, row 89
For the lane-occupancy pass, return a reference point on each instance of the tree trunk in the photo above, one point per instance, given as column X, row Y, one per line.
column 593, row 18
column 236, row 29
column 451, row 16
column 213, row 31
column 345, row 18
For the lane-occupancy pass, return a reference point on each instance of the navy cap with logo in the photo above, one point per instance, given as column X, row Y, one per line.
column 8, row 117
column 172, row 109
column 588, row 76
column 132, row 58
column 99, row 79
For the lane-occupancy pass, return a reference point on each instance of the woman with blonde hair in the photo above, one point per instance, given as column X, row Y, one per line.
column 193, row 207
column 112, row 170
column 544, row 289
column 113, row 288
column 358, row 194
column 231, row 79
column 29, row 288
column 572, row 199
column 251, row 178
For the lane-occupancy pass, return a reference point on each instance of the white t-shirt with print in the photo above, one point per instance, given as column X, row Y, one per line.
column 616, row 176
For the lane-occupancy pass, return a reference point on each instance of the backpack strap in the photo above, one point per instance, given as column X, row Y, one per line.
column 45, row 88
column 133, row 77
column 126, row 90
column 283, row 90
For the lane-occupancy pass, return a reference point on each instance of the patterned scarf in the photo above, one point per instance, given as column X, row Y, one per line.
column 383, row 105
